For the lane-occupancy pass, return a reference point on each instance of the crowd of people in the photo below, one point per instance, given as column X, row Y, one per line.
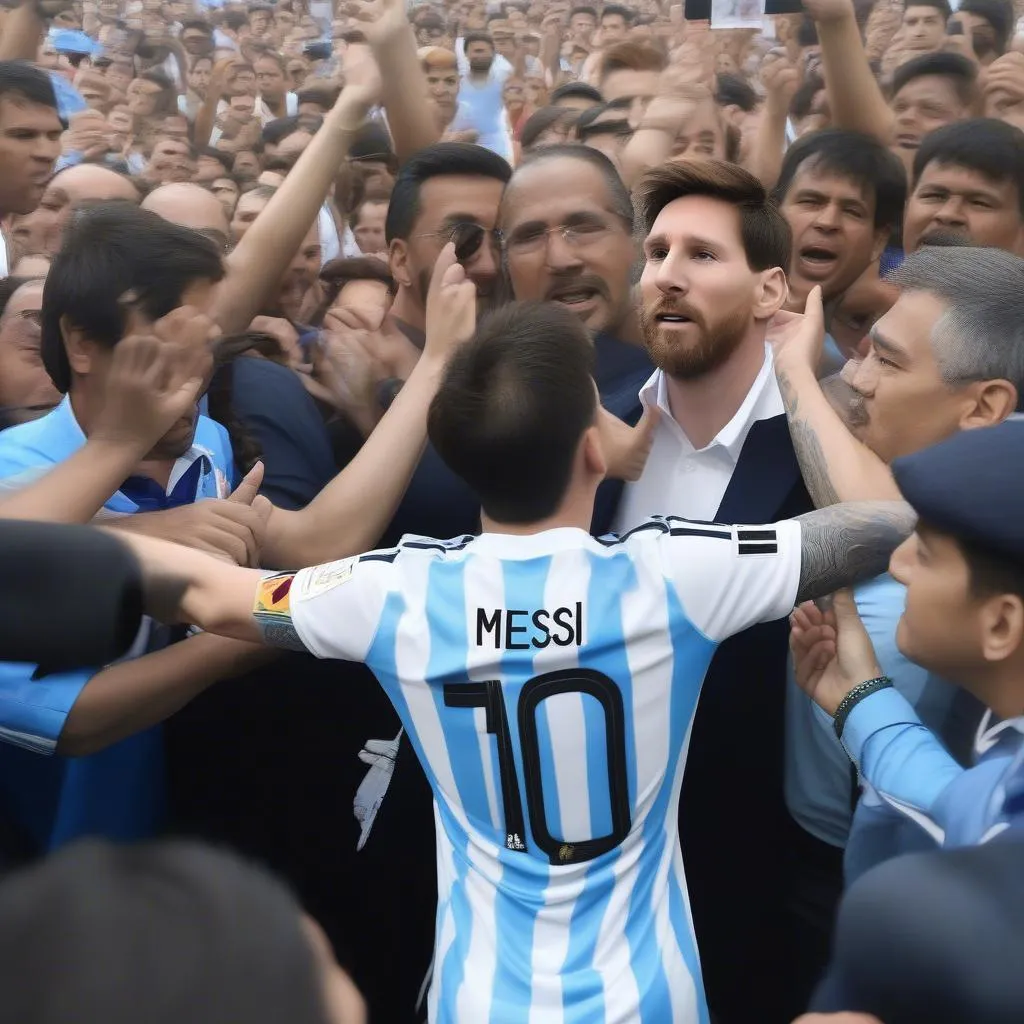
column 432, row 361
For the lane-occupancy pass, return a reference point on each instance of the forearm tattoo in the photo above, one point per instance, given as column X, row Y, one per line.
column 808, row 449
column 845, row 544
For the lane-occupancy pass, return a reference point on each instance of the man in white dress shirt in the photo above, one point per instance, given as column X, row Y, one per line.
column 715, row 250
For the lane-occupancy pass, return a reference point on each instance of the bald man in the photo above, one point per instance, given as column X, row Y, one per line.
column 42, row 230
column 191, row 206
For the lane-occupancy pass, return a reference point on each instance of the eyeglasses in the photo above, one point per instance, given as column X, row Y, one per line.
column 576, row 236
column 467, row 238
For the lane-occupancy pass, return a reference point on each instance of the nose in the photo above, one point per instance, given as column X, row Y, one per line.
column 670, row 278
column 902, row 559
column 827, row 217
column 863, row 376
column 951, row 212
column 559, row 254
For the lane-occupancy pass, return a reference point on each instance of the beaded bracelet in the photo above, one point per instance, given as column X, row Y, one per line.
column 854, row 697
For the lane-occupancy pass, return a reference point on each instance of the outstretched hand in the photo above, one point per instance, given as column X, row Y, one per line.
column 626, row 448
column 832, row 652
column 380, row 20
column 799, row 337
column 451, row 306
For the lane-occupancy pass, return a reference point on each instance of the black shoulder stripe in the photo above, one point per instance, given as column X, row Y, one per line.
column 379, row 556
column 756, row 535
column 758, row 549
column 693, row 531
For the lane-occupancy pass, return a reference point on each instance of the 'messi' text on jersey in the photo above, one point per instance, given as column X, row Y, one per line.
column 515, row 629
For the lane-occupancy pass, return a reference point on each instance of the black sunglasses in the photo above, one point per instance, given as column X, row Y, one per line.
column 467, row 237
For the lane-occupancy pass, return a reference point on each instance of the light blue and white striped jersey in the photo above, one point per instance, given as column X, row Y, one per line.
column 548, row 683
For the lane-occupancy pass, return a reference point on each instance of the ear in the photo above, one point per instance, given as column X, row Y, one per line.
column 80, row 350
column 993, row 401
column 771, row 294
column 1002, row 627
column 398, row 260
column 592, row 453
column 882, row 236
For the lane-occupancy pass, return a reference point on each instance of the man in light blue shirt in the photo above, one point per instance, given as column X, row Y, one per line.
column 964, row 618
column 481, row 92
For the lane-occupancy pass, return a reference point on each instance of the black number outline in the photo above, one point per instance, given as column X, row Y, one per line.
column 488, row 695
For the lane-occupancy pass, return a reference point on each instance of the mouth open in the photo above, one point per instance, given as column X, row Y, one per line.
column 574, row 296
column 907, row 141
column 672, row 318
column 817, row 262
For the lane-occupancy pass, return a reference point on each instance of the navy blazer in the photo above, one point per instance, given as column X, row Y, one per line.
column 733, row 821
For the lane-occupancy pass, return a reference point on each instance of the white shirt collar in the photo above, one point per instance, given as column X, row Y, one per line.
column 763, row 401
column 988, row 734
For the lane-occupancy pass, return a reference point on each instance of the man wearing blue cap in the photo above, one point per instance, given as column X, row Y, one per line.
column 964, row 620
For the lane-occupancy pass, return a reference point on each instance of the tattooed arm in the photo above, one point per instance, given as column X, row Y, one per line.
column 835, row 465
column 844, row 544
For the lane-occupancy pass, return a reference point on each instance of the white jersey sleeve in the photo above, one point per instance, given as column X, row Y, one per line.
column 731, row 577
column 335, row 608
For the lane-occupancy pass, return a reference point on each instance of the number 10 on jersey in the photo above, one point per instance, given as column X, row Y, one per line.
column 488, row 695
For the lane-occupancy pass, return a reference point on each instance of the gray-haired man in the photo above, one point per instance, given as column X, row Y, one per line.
column 948, row 356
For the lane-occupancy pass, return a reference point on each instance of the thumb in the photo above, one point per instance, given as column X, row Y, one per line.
column 845, row 608
column 813, row 308
column 444, row 263
column 645, row 428
column 245, row 493
column 263, row 507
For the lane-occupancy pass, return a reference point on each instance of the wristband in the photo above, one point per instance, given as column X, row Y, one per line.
column 854, row 697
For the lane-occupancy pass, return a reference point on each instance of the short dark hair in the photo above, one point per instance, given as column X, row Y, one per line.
column 962, row 73
column 856, row 157
column 624, row 13
column 942, row 6
column 26, row 81
column 512, row 407
column 198, row 24
column 735, row 90
column 576, row 91
column 9, row 285
column 541, row 120
column 443, row 159
column 476, row 37
column 224, row 159
column 632, row 55
column 584, row 9
column 109, row 249
column 72, row 921
column 278, row 129
column 320, row 93
column 357, row 268
column 998, row 13
column 765, row 232
column 618, row 195
column 991, row 148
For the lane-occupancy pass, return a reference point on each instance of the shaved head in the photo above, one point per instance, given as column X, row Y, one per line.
column 190, row 206
column 89, row 183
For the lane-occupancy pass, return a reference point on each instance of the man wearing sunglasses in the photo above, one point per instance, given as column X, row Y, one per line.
column 449, row 192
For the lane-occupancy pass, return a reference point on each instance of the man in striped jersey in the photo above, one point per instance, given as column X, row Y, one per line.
column 547, row 681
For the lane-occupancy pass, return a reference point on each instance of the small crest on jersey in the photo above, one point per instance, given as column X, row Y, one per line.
column 565, row 853
column 273, row 595
column 322, row 578
column 513, row 842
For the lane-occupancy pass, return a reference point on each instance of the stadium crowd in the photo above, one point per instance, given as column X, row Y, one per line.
column 582, row 437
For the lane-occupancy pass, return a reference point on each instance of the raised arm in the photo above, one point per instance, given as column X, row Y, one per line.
column 835, row 465
column 256, row 265
column 155, row 379
column 845, row 544
column 351, row 513
column 404, row 92
column 854, row 97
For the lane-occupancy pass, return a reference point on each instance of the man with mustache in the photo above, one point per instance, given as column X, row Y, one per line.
column 567, row 231
column 716, row 251
column 946, row 357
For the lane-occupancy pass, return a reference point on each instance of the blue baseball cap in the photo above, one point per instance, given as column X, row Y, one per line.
column 971, row 486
